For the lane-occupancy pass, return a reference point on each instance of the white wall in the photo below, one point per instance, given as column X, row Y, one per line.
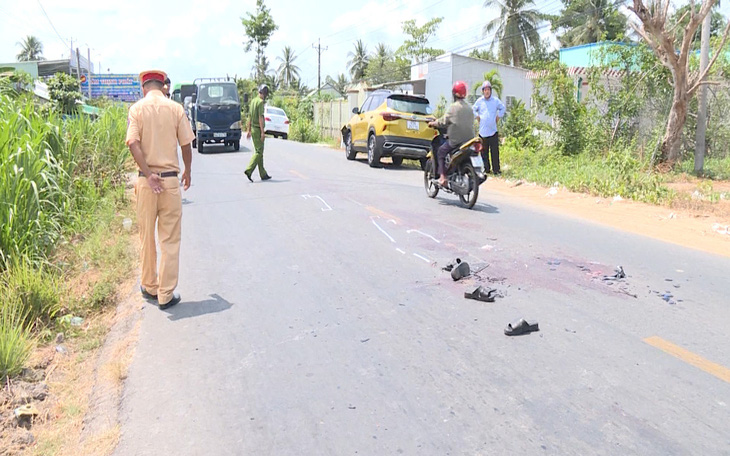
column 438, row 78
column 441, row 73
column 514, row 79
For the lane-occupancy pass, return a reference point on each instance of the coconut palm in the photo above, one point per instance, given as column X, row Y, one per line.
column 31, row 49
column 516, row 29
column 493, row 77
column 589, row 21
column 340, row 84
column 288, row 72
column 358, row 60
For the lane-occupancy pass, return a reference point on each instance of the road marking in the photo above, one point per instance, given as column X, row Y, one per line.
column 422, row 257
column 324, row 209
column 401, row 251
column 721, row 372
column 424, row 234
column 298, row 174
column 372, row 219
column 382, row 214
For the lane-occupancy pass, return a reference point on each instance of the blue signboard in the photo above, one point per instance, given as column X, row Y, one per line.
column 122, row 87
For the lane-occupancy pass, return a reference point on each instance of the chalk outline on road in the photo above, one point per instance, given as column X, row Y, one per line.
column 328, row 208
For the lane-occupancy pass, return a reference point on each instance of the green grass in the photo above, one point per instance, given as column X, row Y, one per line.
column 619, row 173
column 714, row 168
column 15, row 340
column 62, row 202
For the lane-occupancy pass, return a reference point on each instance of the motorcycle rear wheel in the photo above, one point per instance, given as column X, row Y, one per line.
column 470, row 199
column 428, row 176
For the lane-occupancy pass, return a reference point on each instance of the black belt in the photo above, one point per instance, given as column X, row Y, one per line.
column 165, row 174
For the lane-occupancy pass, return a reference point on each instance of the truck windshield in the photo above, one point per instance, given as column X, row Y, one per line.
column 218, row 94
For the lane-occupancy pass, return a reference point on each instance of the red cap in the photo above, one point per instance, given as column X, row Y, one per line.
column 152, row 75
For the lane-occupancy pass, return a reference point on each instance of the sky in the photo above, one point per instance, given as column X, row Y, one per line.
column 204, row 38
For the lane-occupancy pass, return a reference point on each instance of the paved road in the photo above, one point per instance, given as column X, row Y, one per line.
column 316, row 321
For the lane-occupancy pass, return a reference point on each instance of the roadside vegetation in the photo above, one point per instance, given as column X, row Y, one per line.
column 63, row 250
column 609, row 142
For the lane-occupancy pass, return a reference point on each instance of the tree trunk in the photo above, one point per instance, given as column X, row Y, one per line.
column 675, row 124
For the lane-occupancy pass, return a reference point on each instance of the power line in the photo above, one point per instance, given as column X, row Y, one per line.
column 51, row 22
column 319, row 49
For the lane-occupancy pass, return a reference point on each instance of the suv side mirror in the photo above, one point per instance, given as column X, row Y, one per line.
column 356, row 110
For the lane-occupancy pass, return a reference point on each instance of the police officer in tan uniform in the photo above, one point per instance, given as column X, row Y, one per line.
column 156, row 125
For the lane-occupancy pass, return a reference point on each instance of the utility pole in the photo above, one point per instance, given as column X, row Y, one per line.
column 78, row 67
column 319, row 49
column 701, row 137
column 88, row 72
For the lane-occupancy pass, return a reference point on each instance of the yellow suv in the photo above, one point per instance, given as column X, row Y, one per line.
column 390, row 125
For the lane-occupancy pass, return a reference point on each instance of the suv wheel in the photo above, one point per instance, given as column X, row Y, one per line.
column 373, row 152
column 350, row 152
column 397, row 161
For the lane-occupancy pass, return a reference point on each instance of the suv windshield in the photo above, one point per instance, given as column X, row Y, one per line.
column 218, row 94
column 405, row 103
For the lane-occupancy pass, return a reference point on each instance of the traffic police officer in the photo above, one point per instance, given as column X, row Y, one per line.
column 155, row 126
column 256, row 132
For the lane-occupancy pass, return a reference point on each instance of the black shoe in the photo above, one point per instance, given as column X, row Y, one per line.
column 249, row 176
column 266, row 177
column 175, row 299
column 147, row 295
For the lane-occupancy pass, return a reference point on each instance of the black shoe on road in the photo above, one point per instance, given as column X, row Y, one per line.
column 249, row 176
column 147, row 295
column 175, row 300
column 266, row 177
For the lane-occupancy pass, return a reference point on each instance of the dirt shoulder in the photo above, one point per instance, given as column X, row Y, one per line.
column 695, row 224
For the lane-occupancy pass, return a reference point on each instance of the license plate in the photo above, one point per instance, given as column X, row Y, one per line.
column 412, row 125
column 219, row 135
column 477, row 161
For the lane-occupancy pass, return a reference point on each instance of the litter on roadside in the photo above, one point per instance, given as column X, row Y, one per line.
column 618, row 275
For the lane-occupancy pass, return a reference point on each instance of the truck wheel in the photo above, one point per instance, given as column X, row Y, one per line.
column 236, row 145
column 285, row 136
column 201, row 147
column 195, row 143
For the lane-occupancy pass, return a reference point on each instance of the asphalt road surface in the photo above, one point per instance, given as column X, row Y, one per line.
column 316, row 320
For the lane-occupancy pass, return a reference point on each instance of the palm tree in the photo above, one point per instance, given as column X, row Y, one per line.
column 340, row 84
column 382, row 53
column 31, row 49
column 288, row 72
column 493, row 77
column 358, row 60
column 516, row 29
column 589, row 21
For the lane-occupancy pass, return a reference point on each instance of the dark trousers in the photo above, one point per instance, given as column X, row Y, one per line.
column 441, row 154
column 490, row 146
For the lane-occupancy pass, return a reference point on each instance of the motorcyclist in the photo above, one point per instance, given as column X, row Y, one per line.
column 459, row 122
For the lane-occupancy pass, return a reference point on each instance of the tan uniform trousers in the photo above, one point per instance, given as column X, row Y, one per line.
column 166, row 210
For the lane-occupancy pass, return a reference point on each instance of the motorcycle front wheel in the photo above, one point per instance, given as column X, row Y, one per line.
column 429, row 174
column 470, row 199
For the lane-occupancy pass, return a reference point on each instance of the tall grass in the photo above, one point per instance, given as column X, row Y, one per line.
column 15, row 340
column 56, row 177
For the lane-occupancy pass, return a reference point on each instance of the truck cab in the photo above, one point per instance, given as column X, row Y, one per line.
column 215, row 113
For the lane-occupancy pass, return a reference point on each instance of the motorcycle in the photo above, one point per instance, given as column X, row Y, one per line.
column 464, row 170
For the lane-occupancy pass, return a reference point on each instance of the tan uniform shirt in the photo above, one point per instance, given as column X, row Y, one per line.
column 159, row 124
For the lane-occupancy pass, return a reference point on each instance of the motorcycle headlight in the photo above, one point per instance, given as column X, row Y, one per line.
column 236, row 125
column 201, row 126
